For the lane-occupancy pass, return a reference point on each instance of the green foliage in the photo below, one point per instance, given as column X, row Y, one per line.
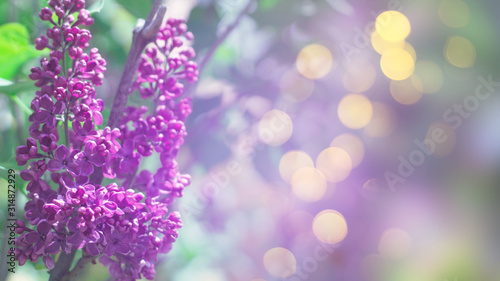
column 225, row 53
column 268, row 4
column 96, row 7
column 203, row 22
column 11, row 89
column 15, row 49
column 138, row 8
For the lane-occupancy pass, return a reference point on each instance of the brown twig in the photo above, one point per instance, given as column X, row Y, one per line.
column 82, row 262
column 144, row 33
column 208, row 55
column 62, row 266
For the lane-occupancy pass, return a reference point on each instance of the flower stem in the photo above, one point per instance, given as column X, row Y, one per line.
column 62, row 266
column 144, row 33
column 66, row 126
column 82, row 262
column 208, row 55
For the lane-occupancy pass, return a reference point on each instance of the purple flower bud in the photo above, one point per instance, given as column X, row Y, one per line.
column 42, row 42
column 46, row 14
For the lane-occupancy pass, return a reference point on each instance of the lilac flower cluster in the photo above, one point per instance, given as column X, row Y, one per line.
column 125, row 224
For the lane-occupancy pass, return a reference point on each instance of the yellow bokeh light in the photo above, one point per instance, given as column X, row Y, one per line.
column 460, row 52
column 355, row 111
column 275, row 127
column 397, row 64
column 405, row 92
column 380, row 45
column 395, row 243
column 314, row 61
column 308, row 184
column 427, row 77
column 352, row 145
column 383, row 121
column 292, row 161
column 359, row 76
column 409, row 48
column 280, row 262
column 295, row 87
column 330, row 227
column 392, row 26
column 454, row 13
column 335, row 164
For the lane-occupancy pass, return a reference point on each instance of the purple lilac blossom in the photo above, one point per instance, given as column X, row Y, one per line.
column 127, row 223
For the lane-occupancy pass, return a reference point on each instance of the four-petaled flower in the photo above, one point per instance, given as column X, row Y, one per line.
column 64, row 159
column 88, row 158
column 46, row 110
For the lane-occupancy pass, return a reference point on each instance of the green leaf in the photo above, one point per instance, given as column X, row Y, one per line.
column 138, row 8
column 268, row 4
column 225, row 53
column 14, row 88
column 15, row 49
column 96, row 7
column 21, row 105
column 203, row 22
column 4, row 82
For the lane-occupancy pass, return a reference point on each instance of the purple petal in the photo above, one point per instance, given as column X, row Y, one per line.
column 125, row 166
column 73, row 169
column 73, row 224
column 47, row 103
column 98, row 118
column 88, row 126
column 61, row 152
column 22, row 259
column 59, row 108
column 43, row 185
column 39, row 246
column 110, row 205
column 105, row 260
column 43, row 227
column 75, row 240
column 86, row 169
column 66, row 180
column 122, row 248
column 97, row 159
column 32, row 237
column 53, row 248
column 77, row 127
column 89, row 147
column 27, row 176
column 49, row 262
column 41, row 115
column 81, row 180
column 115, row 269
column 128, row 146
column 51, row 208
column 92, row 249
column 54, row 165
column 110, row 249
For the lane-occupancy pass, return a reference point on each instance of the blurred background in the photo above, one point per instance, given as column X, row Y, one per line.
column 329, row 139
